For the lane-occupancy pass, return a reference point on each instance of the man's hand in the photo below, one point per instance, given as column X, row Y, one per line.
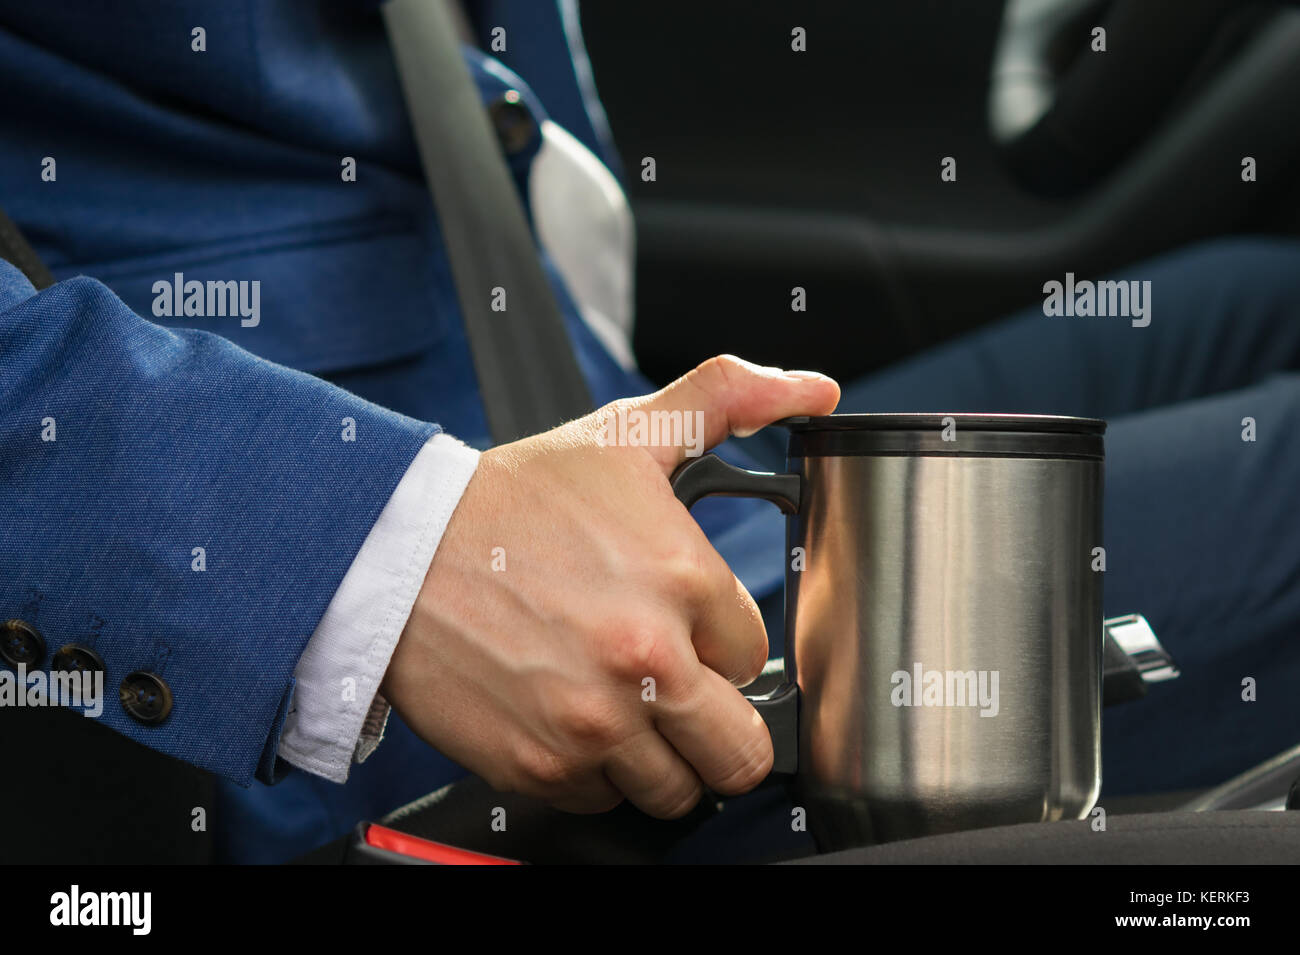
column 568, row 575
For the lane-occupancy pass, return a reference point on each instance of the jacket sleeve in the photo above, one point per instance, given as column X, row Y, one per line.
column 180, row 507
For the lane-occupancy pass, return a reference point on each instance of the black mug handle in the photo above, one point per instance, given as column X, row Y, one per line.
column 710, row 476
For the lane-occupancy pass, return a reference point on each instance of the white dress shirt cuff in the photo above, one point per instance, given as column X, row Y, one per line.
column 337, row 715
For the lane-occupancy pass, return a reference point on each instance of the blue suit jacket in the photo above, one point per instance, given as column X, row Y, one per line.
column 176, row 433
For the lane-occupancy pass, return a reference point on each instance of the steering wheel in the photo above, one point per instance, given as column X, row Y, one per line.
column 1076, row 85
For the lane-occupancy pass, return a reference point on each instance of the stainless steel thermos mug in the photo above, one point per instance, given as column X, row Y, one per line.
column 943, row 618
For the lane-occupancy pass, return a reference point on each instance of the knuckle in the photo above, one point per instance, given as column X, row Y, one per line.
column 722, row 369
column 756, row 646
column 689, row 577
column 502, row 777
column 754, row 666
column 678, row 800
column 746, row 646
column 542, row 770
column 602, row 804
column 748, row 766
column 598, row 420
column 641, row 651
column 587, row 722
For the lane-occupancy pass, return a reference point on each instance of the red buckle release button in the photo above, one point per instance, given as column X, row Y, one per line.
column 436, row 852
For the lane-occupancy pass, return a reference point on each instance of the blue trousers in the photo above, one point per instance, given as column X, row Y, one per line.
column 1202, row 528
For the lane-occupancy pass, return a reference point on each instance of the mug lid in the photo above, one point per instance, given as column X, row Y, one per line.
column 935, row 421
column 946, row 435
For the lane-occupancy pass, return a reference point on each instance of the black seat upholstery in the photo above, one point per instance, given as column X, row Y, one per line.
column 1237, row 837
column 756, row 828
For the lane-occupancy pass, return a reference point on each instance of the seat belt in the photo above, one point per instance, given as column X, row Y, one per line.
column 527, row 371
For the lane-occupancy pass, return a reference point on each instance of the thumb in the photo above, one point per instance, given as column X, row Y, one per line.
column 724, row 396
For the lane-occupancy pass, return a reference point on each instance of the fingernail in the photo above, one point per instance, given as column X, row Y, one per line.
column 804, row 375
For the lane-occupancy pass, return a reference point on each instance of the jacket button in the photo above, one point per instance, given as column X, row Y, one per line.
column 74, row 658
column 146, row 697
column 514, row 123
column 21, row 644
